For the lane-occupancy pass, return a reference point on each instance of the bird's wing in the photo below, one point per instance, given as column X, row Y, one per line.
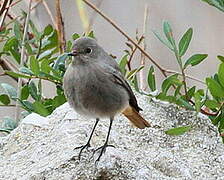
column 117, row 78
column 122, row 82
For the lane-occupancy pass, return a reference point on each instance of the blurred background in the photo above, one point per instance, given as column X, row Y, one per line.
column 206, row 21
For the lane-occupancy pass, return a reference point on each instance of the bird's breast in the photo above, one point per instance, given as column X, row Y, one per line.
column 91, row 91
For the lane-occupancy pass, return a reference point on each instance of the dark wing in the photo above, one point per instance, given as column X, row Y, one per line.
column 122, row 82
column 112, row 67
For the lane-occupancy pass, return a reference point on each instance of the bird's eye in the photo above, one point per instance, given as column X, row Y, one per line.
column 88, row 50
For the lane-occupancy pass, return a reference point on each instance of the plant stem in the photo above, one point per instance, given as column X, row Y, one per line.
column 127, row 36
column 142, row 60
column 60, row 27
column 133, row 52
column 22, row 60
column 49, row 13
column 4, row 12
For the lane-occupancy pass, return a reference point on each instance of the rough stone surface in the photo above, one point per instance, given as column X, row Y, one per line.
column 44, row 150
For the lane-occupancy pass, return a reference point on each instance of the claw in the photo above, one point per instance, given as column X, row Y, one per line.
column 86, row 146
column 103, row 150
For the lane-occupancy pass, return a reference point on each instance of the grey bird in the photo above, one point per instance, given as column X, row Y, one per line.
column 95, row 87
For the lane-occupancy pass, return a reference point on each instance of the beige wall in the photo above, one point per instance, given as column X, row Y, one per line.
column 206, row 21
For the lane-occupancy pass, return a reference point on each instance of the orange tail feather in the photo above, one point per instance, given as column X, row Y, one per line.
column 135, row 118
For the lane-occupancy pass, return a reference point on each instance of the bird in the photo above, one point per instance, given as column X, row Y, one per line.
column 95, row 87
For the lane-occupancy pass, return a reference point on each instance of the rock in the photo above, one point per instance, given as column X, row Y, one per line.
column 42, row 148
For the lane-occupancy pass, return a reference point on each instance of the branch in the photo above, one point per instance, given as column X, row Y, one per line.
column 22, row 59
column 127, row 36
column 142, row 61
column 60, row 28
column 49, row 13
column 4, row 11
column 133, row 52
column 188, row 76
column 93, row 16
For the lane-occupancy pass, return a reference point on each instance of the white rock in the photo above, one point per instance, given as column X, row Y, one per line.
column 36, row 120
column 30, row 152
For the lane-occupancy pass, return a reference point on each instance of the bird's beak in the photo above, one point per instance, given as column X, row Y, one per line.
column 73, row 53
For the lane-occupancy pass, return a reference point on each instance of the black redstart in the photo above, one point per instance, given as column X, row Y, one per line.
column 95, row 87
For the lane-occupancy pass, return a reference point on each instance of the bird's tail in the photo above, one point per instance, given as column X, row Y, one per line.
column 135, row 118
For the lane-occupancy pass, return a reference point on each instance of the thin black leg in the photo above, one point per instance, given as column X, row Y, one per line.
column 103, row 148
column 87, row 145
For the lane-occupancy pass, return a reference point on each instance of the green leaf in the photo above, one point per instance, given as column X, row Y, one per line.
column 214, row 87
column 44, row 66
column 16, row 55
column 46, row 54
column 17, row 75
column 168, row 33
column 195, row 59
column 190, row 92
column 36, row 33
column 4, row 99
column 151, row 79
column 221, row 74
column 40, row 108
column 33, row 91
column 68, row 46
column 27, row 105
column 50, row 41
column 122, row 64
column 91, row 35
column 135, row 83
column 185, row 41
column 133, row 73
column 164, row 41
column 178, row 131
column 212, row 104
column 9, row 123
column 183, row 103
column 48, row 30
column 216, row 3
column 49, row 76
column 60, row 61
column 169, row 81
column 221, row 58
column 75, row 36
column 17, row 31
column 197, row 100
column 11, row 43
column 58, row 100
column 10, row 90
column 24, row 92
column 34, row 65
column 26, row 71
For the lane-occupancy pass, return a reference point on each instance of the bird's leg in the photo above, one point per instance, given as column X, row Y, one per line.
column 103, row 148
column 87, row 145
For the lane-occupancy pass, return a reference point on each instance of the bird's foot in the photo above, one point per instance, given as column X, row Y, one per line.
column 102, row 150
column 86, row 146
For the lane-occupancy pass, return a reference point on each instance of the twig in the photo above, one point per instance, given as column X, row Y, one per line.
column 60, row 27
column 49, row 13
column 142, row 62
column 22, row 59
column 8, row 66
column 133, row 52
column 5, row 12
column 83, row 15
column 9, row 105
column 163, row 70
column 127, row 36
column 37, row 4
column 93, row 16
column 189, row 77
column 3, row 6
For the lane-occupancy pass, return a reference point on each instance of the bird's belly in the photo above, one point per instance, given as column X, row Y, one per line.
column 101, row 100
